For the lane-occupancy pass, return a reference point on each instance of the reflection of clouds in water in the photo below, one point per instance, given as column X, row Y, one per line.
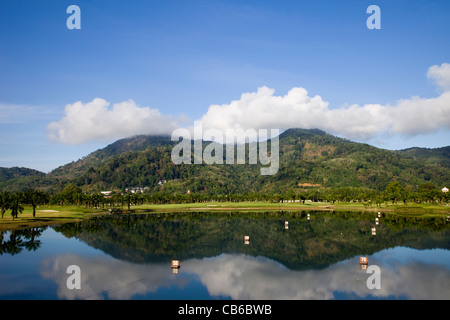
column 417, row 280
column 246, row 277
column 100, row 275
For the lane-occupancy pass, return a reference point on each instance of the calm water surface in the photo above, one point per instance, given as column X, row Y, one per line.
column 129, row 257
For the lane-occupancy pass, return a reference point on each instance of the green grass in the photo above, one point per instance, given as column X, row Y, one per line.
column 46, row 215
column 233, row 205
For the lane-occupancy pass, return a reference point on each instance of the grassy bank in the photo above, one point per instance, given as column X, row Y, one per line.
column 46, row 216
column 432, row 209
column 60, row 214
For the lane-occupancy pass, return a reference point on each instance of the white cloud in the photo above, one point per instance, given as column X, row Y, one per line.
column 95, row 120
column 441, row 75
column 417, row 115
column 263, row 109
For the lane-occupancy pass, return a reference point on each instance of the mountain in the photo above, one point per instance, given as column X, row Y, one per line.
column 307, row 158
column 16, row 172
column 99, row 157
column 438, row 155
column 13, row 178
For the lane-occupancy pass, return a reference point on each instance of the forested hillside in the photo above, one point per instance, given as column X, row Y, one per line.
column 308, row 158
column 16, row 172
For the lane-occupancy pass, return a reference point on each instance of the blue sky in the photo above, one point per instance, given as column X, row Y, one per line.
column 171, row 61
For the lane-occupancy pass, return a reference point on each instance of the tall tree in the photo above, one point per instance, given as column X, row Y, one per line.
column 118, row 198
column 5, row 201
column 69, row 193
column 35, row 198
column 394, row 191
column 127, row 199
column 428, row 192
column 16, row 204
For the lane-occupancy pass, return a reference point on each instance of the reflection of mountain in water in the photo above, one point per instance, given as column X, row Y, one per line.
column 327, row 238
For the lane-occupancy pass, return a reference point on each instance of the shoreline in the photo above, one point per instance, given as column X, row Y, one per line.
column 72, row 214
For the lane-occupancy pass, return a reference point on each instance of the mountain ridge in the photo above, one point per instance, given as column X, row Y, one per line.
column 307, row 156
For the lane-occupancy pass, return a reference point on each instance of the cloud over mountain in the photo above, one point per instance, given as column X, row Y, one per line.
column 296, row 109
column 263, row 109
column 96, row 120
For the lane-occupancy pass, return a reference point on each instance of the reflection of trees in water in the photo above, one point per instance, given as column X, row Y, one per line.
column 327, row 238
column 19, row 240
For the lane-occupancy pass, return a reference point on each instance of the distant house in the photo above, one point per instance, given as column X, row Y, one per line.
column 106, row 194
column 444, row 189
column 161, row 182
column 136, row 190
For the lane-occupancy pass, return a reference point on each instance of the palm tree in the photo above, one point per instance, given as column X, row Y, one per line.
column 118, row 198
column 16, row 205
column 127, row 199
column 5, row 201
column 35, row 198
column 135, row 198
column 96, row 200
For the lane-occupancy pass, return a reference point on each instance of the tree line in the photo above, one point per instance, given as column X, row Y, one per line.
column 394, row 193
column 15, row 201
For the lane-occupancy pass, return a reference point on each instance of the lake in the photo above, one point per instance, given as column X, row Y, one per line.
column 309, row 257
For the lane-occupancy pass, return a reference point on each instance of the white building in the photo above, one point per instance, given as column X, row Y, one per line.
column 106, row 194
